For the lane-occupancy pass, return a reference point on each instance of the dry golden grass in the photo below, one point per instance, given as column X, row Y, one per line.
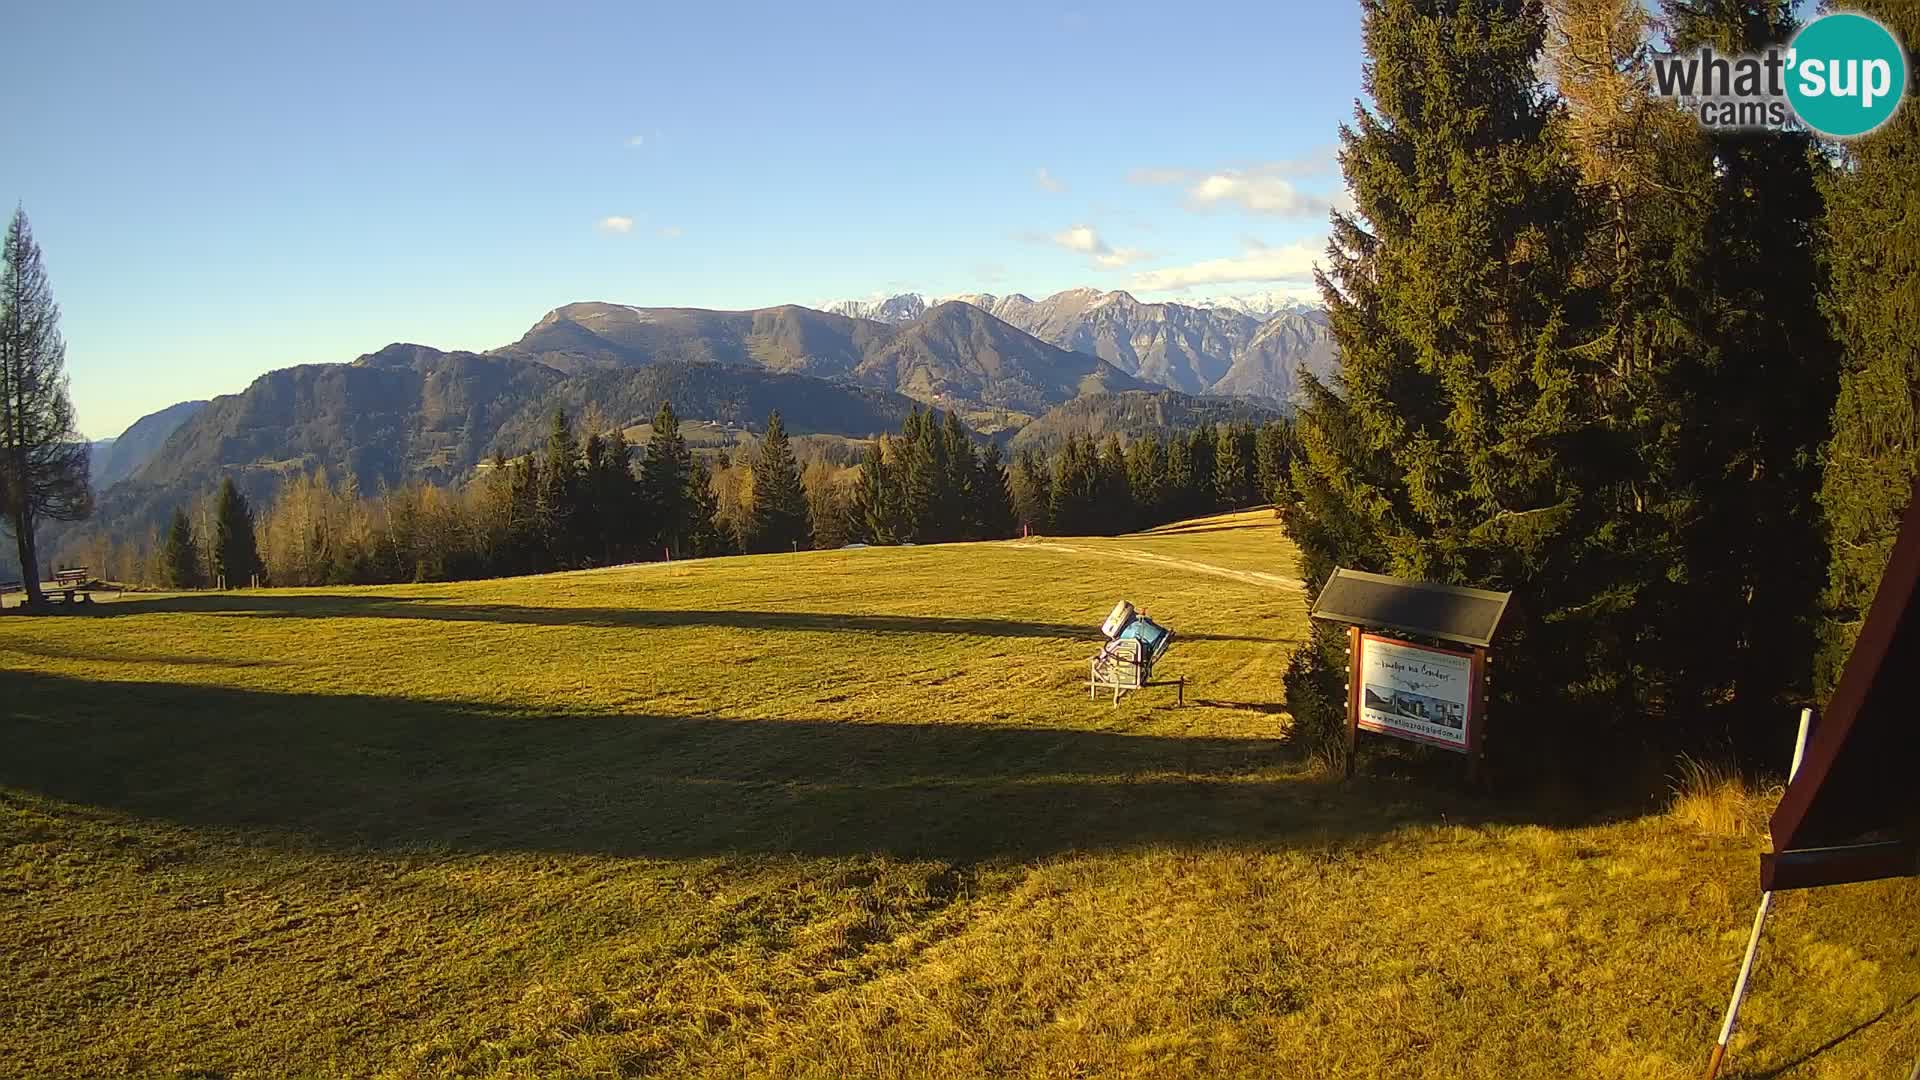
column 1714, row 797
column 833, row 815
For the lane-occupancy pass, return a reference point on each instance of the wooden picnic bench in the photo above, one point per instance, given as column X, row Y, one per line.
column 72, row 581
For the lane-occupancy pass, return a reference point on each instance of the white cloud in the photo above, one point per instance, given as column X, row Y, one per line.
column 1291, row 263
column 1086, row 240
column 1081, row 238
column 672, row 232
column 1263, row 188
column 1047, row 181
column 615, row 224
column 636, row 140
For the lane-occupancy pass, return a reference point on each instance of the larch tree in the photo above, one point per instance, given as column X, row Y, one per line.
column 43, row 457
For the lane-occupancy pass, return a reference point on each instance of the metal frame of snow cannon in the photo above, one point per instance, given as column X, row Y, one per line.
column 1125, row 663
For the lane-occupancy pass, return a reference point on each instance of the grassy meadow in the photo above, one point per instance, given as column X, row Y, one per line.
column 838, row 814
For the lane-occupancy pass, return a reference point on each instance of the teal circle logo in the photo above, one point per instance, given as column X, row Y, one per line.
column 1846, row 74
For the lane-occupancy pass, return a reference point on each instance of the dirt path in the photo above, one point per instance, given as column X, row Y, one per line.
column 1149, row 558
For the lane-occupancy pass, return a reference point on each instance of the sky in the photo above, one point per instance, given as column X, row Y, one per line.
column 223, row 190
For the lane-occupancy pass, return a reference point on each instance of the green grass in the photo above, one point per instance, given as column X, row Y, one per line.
column 834, row 814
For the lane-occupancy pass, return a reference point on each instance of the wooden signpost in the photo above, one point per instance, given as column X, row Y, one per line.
column 1400, row 685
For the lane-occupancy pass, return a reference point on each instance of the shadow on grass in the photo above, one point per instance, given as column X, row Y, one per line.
column 1833, row 1043
column 437, row 608
column 361, row 772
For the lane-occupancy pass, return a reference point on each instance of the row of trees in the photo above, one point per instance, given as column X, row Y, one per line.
column 1112, row 488
column 595, row 501
column 1584, row 358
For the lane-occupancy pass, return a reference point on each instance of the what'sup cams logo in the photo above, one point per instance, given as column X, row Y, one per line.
column 1842, row 75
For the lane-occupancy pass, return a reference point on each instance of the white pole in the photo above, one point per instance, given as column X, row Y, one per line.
column 1759, row 922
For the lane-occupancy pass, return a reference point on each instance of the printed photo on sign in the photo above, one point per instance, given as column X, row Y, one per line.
column 1415, row 692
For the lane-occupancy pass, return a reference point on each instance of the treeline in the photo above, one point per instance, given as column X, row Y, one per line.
column 1591, row 352
column 576, row 503
column 1091, row 489
column 571, row 504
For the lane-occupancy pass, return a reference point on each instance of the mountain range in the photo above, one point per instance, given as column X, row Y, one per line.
column 412, row 412
column 1251, row 346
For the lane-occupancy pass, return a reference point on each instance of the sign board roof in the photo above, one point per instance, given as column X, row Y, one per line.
column 1447, row 612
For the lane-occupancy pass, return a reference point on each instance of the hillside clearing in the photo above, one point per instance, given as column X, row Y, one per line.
column 844, row 813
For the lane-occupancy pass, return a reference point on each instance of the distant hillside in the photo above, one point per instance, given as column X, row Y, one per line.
column 714, row 392
column 953, row 356
column 123, row 456
column 409, row 412
column 1131, row 415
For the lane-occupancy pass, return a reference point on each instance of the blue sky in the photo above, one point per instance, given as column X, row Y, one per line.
column 224, row 190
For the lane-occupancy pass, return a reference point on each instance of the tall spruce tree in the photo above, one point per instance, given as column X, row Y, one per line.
column 993, row 496
column 1115, row 511
column 874, row 497
column 1033, row 491
column 706, row 535
column 43, row 458
column 920, row 472
column 1200, row 496
column 1442, row 452
column 667, row 482
column 956, row 491
column 1873, row 301
column 558, row 494
column 1766, row 386
column 182, row 559
column 1076, row 488
column 1147, row 477
column 778, row 517
column 1273, row 458
column 236, row 558
column 1233, row 467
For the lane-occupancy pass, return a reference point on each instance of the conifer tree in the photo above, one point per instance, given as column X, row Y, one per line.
column 1757, row 561
column 558, row 494
column 1273, row 457
column 706, row 536
column 921, row 471
column 1233, row 467
column 1113, row 497
column 778, row 519
column 1033, row 491
column 620, row 516
column 236, row 559
column 1200, row 497
column 993, row 497
column 1443, row 455
column 1076, row 485
column 1874, row 254
column 962, row 520
column 874, row 497
column 43, row 458
column 666, row 481
column 1147, row 477
column 1176, row 494
column 182, row 555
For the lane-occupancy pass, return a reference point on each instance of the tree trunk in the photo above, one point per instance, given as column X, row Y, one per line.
column 29, row 556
